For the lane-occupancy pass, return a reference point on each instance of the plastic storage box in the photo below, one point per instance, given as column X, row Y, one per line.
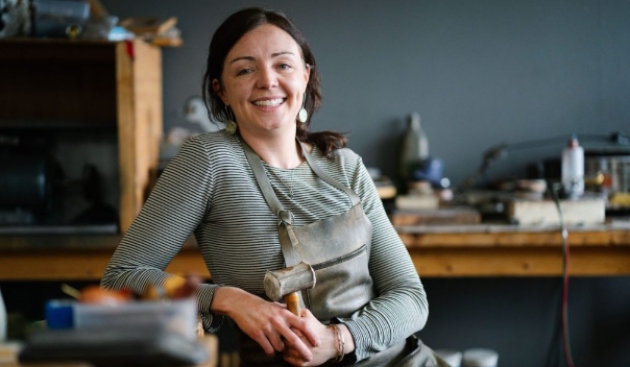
column 177, row 316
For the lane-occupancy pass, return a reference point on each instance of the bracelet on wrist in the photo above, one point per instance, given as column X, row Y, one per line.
column 340, row 343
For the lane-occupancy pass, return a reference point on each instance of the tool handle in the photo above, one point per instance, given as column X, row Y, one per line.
column 293, row 303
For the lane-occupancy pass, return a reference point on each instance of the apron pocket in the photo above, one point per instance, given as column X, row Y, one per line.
column 343, row 285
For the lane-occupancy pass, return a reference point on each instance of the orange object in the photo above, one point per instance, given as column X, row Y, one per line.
column 174, row 287
column 96, row 295
column 178, row 287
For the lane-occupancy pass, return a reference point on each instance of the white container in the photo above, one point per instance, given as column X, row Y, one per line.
column 573, row 169
column 479, row 357
column 3, row 320
column 178, row 316
column 452, row 357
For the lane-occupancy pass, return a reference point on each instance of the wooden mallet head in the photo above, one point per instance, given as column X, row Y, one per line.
column 288, row 282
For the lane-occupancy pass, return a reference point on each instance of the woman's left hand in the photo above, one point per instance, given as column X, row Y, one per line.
column 326, row 350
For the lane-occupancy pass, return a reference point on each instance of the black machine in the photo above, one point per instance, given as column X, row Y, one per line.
column 34, row 191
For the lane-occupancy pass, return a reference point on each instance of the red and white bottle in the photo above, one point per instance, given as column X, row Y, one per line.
column 573, row 169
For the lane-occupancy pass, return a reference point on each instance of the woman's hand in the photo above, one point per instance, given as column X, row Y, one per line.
column 270, row 324
column 325, row 351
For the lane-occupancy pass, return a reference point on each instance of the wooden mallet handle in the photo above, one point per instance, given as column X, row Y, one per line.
column 293, row 303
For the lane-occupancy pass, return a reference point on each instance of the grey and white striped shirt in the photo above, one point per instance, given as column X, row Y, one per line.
column 208, row 189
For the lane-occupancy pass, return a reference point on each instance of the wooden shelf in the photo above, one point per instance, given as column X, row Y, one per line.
column 57, row 125
column 79, row 85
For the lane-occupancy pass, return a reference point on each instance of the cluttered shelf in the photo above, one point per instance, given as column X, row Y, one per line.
column 437, row 251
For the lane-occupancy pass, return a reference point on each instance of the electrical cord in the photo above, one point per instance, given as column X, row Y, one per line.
column 555, row 347
column 565, row 280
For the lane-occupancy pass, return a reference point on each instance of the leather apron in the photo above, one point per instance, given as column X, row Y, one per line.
column 338, row 249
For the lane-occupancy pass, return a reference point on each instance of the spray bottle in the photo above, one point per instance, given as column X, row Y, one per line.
column 573, row 169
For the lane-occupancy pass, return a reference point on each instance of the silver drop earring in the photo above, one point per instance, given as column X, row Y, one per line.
column 230, row 127
column 302, row 115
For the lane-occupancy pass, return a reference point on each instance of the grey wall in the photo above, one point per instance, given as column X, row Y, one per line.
column 479, row 73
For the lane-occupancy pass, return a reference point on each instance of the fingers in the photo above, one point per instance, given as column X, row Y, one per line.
column 265, row 343
column 281, row 334
column 295, row 360
column 275, row 340
column 295, row 357
column 276, row 329
column 310, row 333
column 296, row 345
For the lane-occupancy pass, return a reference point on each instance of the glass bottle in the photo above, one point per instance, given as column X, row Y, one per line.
column 415, row 147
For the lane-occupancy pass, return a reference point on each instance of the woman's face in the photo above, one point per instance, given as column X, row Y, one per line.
column 263, row 81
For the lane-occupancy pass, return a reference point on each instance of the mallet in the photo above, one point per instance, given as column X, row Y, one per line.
column 288, row 283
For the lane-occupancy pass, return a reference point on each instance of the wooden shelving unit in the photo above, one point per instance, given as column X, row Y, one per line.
column 68, row 84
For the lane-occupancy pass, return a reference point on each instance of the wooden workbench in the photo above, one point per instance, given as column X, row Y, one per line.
column 502, row 250
column 437, row 251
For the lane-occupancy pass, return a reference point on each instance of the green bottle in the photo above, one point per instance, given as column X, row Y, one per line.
column 415, row 147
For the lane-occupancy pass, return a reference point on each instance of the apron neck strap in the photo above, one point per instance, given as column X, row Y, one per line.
column 255, row 163
column 324, row 176
column 288, row 239
column 265, row 186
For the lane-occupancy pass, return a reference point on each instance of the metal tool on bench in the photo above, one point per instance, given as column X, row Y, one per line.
column 288, row 283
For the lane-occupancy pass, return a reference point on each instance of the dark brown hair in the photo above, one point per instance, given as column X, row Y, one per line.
column 228, row 34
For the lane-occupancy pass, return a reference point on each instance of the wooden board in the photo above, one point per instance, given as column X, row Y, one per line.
column 541, row 212
column 438, row 216
column 139, row 82
column 519, row 262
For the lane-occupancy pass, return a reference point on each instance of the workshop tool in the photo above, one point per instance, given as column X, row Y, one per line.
column 288, row 283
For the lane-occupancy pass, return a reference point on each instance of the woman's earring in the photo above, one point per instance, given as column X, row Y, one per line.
column 230, row 127
column 302, row 115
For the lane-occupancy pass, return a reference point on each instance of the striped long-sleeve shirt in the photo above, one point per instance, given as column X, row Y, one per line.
column 209, row 189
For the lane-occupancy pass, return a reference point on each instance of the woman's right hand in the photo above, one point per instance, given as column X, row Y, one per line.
column 268, row 323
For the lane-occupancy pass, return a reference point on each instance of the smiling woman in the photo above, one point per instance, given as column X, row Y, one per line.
column 270, row 194
column 263, row 82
